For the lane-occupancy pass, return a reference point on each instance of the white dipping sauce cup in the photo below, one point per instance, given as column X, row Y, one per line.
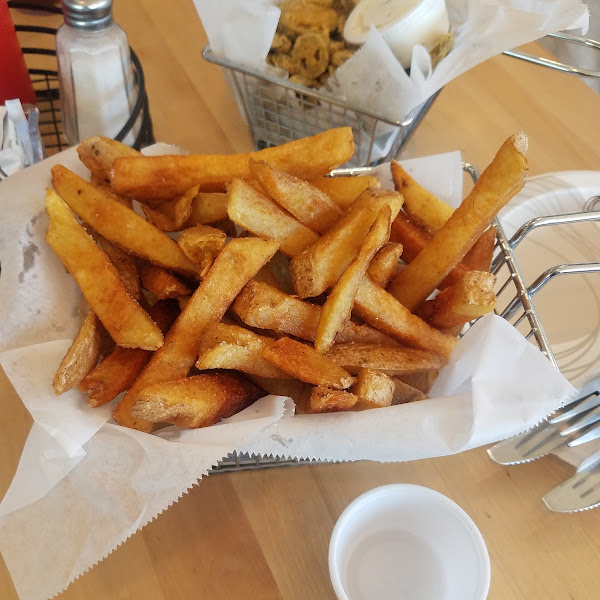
column 408, row 542
column 403, row 24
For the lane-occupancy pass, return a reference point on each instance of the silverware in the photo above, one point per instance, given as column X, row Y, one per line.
column 580, row 492
column 572, row 425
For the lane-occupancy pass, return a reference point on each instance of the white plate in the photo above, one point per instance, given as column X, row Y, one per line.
column 569, row 305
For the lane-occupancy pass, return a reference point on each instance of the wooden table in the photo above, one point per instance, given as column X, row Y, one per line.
column 265, row 534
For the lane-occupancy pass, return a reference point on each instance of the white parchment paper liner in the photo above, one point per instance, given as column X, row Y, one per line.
column 84, row 484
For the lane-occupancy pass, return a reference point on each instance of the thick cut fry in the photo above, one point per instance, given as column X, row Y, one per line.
column 307, row 203
column 162, row 283
column 500, row 181
column 381, row 310
column 208, row 208
column 391, row 360
column 338, row 307
column 253, row 211
column 231, row 347
column 266, row 307
column 323, row 400
column 126, row 264
column 81, row 357
column 479, row 257
column 117, row 372
column 171, row 216
column 201, row 244
column 472, row 297
column 404, row 393
column 384, row 264
column 239, row 261
column 120, row 224
column 297, row 390
column 125, row 320
column 424, row 208
column 304, row 363
column 345, row 190
column 420, row 380
column 373, row 389
column 321, row 264
column 197, row 401
column 161, row 178
column 99, row 153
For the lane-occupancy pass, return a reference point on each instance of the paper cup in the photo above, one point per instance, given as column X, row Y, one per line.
column 410, row 542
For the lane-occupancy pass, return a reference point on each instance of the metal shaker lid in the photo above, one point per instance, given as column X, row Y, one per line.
column 87, row 14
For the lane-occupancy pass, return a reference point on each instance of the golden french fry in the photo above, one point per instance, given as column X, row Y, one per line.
column 306, row 364
column 320, row 265
column 81, row 357
column 373, row 389
column 225, row 346
column 171, row 216
column 404, row 393
column 256, row 213
column 323, row 400
column 162, row 283
column 201, row 244
column 345, row 190
column 391, row 360
column 424, row 208
column 125, row 320
column 117, row 372
column 308, row 204
column 120, row 224
column 338, row 307
column 479, row 257
column 420, row 380
column 472, row 297
column 99, row 153
column 381, row 310
column 208, row 208
column 499, row 182
column 238, row 262
column 197, row 401
column 385, row 263
column 161, row 178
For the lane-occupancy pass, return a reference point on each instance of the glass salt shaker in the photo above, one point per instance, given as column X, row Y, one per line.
column 95, row 73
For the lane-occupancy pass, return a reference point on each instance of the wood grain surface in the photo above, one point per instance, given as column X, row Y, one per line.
column 265, row 534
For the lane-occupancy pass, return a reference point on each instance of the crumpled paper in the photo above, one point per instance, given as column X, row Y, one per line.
column 20, row 140
column 84, row 484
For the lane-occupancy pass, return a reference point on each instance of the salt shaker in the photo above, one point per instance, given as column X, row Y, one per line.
column 95, row 72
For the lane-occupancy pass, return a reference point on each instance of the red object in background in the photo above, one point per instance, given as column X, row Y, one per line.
column 14, row 76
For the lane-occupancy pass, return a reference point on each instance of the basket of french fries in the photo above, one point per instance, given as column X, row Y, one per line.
column 178, row 308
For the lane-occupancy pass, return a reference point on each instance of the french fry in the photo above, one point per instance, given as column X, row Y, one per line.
column 308, row 204
column 254, row 212
column 125, row 320
column 120, row 224
column 226, row 346
column 306, row 364
column 420, row 380
column 424, row 208
column 381, row 310
column 171, row 216
column 82, row 355
column 157, row 179
column 238, row 262
column 320, row 265
column 323, row 400
column 385, row 263
column 373, row 389
column 297, row 390
column 338, row 307
column 197, row 401
column 162, row 283
column 391, row 360
column 201, row 244
column 266, row 307
column 99, row 153
column 208, row 208
column 404, row 393
column 117, row 372
column 472, row 297
column 126, row 264
column 345, row 190
column 499, row 182
column 479, row 257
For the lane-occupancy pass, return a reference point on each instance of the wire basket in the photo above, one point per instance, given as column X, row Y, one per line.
column 45, row 84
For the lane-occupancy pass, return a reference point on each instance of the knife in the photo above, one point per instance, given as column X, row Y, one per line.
column 564, row 426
